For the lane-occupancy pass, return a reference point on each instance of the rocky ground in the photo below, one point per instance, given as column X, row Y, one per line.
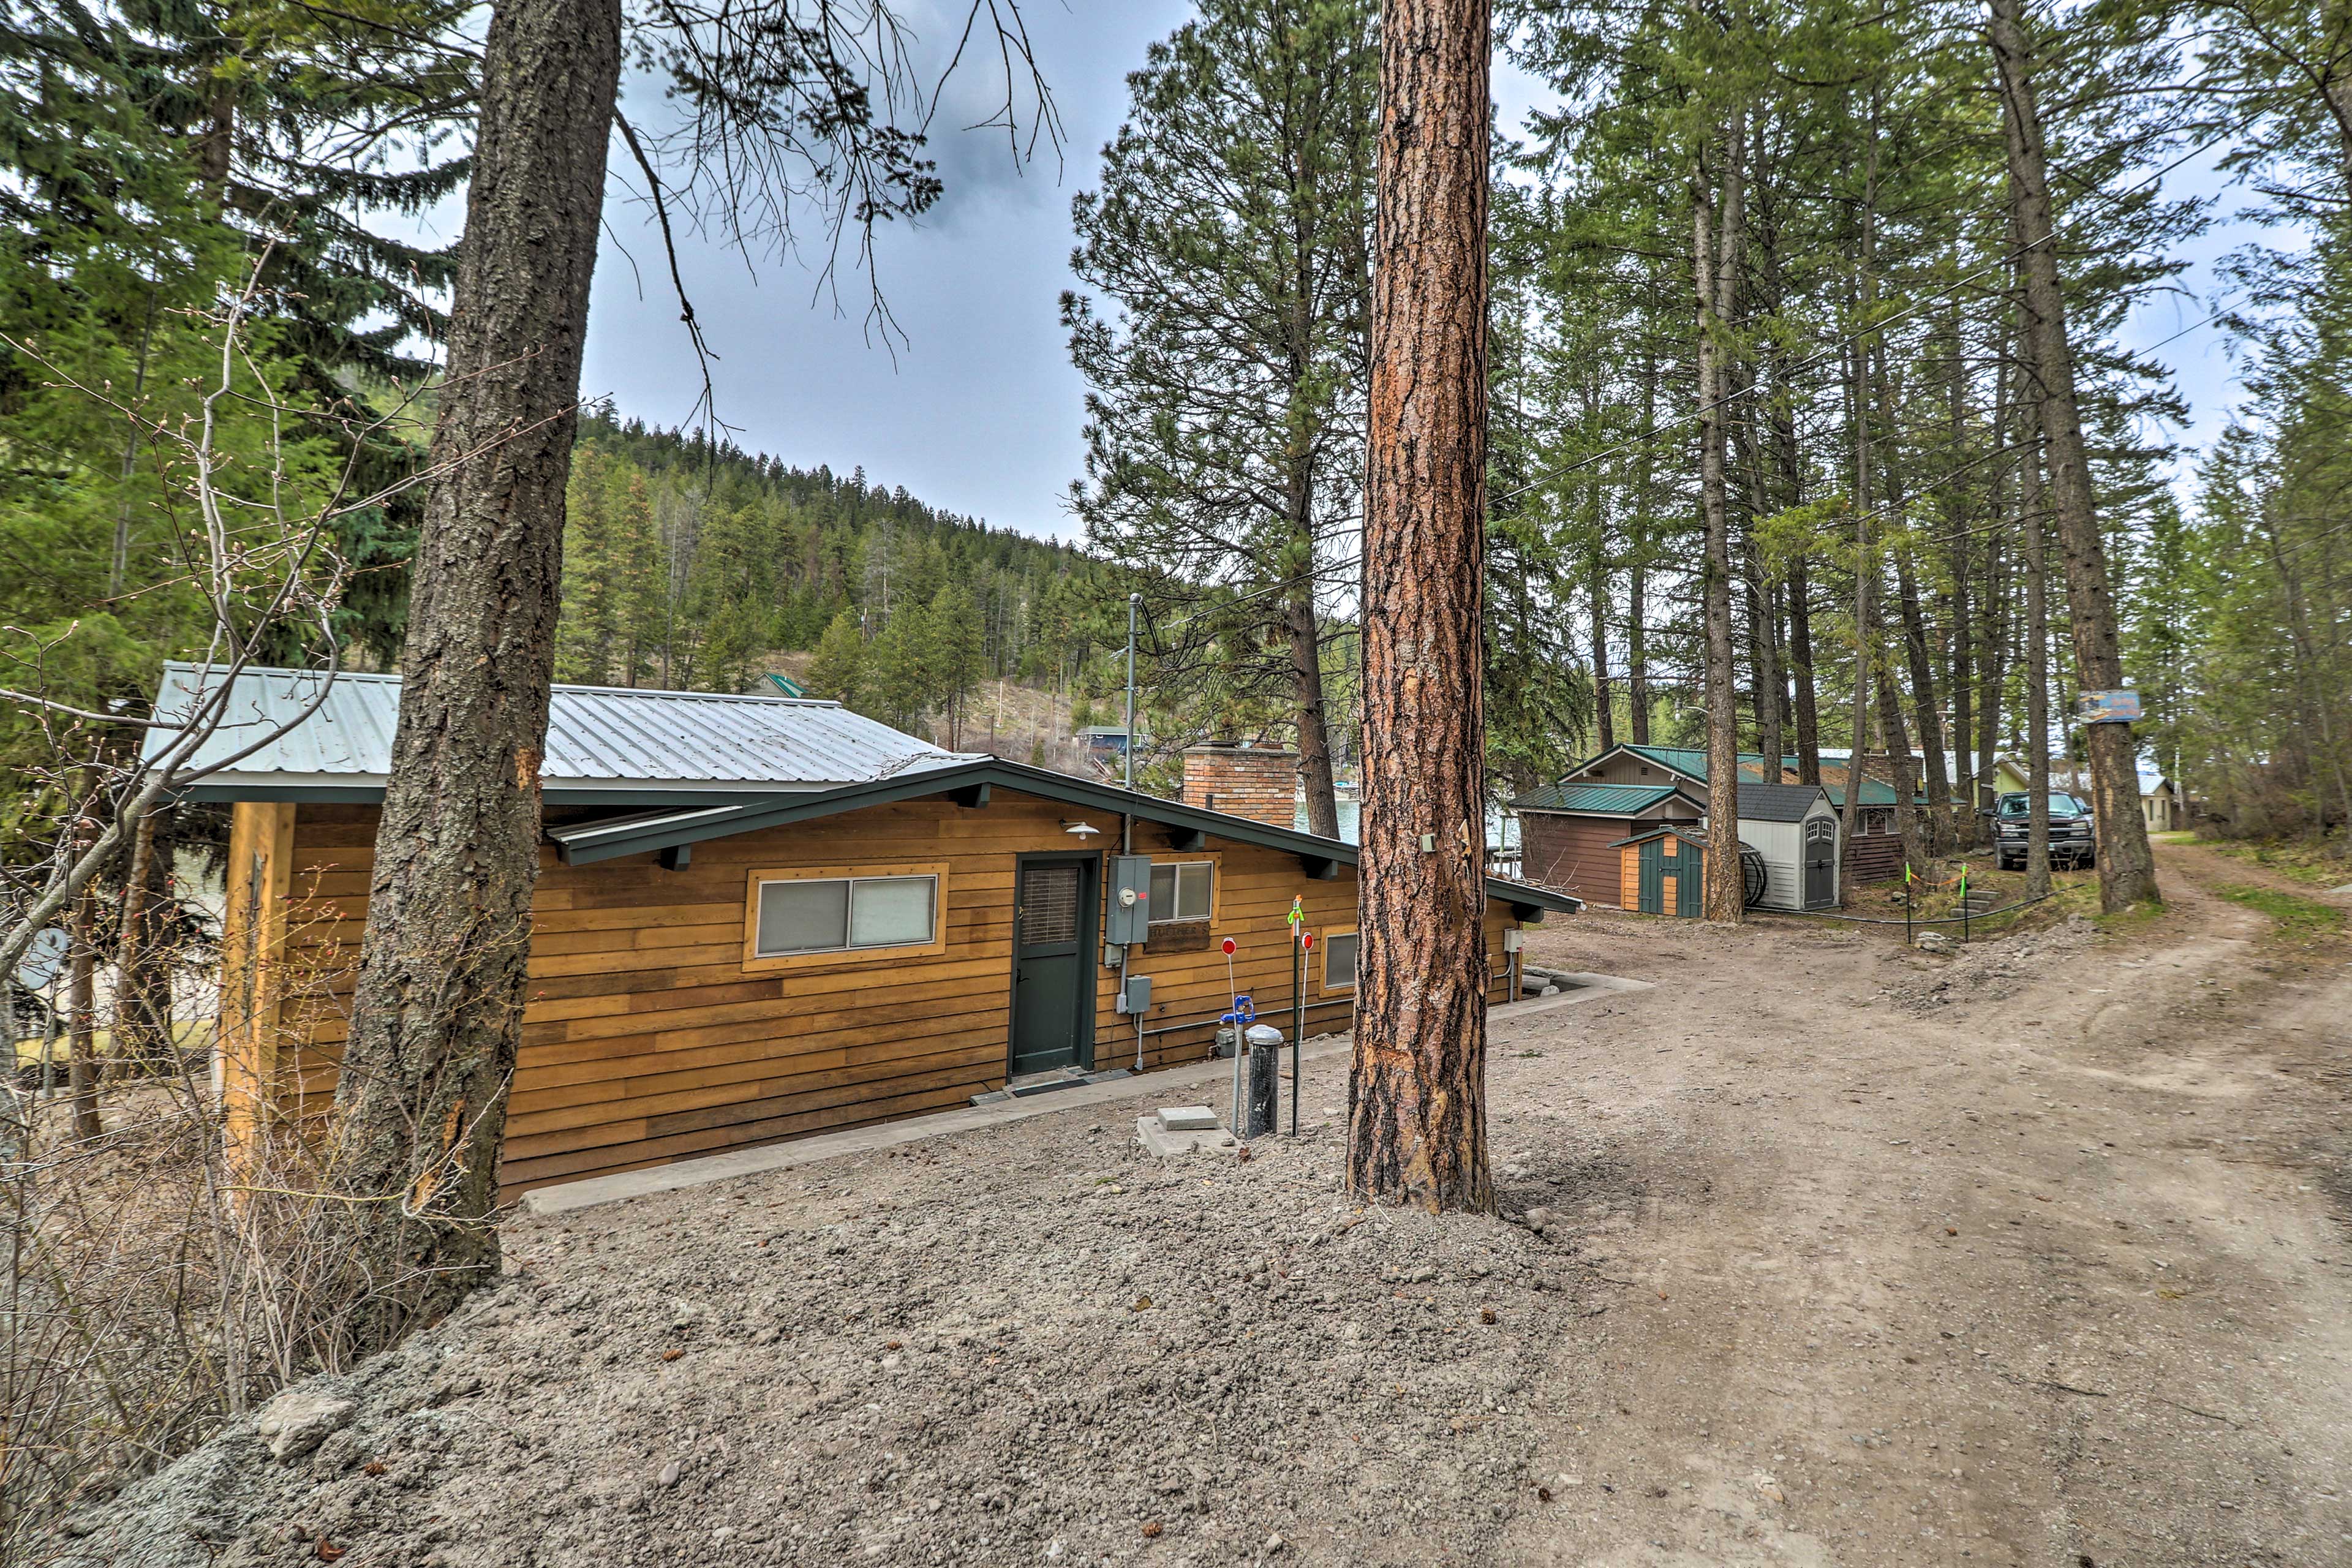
column 2052, row 1268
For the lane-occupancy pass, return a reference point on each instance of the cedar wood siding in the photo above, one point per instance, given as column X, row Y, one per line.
column 646, row 1040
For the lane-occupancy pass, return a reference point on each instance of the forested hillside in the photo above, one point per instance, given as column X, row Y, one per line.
column 685, row 566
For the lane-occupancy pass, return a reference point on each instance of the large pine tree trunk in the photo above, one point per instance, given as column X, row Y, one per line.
column 1715, row 269
column 1637, row 580
column 1417, row 1093
column 1314, row 773
column 1800, row 665
column 1603, row 696
column 1865, row 565
column 2127, row 865
column 2032, row 504
column 1938, row 783
column 437, row 1016
column 1864, row 618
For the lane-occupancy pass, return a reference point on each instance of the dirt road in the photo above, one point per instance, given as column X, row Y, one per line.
column 2064, row 1277
column 1840, row 1255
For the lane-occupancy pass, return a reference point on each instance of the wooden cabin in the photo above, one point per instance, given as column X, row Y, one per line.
column 1875, row 849
column 1568, row 833
column 760, row 918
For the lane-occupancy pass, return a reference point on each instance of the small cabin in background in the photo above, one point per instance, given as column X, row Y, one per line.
column 759, row 917
column 1876, row 848
column 1570, row 833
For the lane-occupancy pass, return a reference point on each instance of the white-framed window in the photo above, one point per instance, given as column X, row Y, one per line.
column 1339, row 960
column 811, row 916
column 1183, row 890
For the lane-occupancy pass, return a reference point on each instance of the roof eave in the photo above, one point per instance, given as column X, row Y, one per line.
column 750, row 818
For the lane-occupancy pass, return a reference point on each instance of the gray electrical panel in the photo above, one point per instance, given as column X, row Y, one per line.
column 1135, row 999
column 1128, row 921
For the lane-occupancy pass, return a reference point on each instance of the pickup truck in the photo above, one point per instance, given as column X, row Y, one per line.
column 2074, row 841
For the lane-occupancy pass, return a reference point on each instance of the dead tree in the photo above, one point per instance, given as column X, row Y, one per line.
column 1417, row 1092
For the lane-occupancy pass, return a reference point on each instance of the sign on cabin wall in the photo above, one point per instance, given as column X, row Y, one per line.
column 2107, row 707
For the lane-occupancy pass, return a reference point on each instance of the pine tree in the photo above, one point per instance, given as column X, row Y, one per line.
column 838, row 673
column 1225, row 385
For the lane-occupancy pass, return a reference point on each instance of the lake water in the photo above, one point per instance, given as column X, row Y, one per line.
column 1502, row 826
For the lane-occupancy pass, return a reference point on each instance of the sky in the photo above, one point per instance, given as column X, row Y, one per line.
column 979, row 412
column 977, row 409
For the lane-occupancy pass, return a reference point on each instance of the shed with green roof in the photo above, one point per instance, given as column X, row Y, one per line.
column 1568, row 831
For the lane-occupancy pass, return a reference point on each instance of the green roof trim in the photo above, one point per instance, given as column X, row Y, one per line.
column 1601, row 799
column 579, row 844
column 1690, row 762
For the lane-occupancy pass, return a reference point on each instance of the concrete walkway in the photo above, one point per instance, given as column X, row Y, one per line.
column 564, row 1197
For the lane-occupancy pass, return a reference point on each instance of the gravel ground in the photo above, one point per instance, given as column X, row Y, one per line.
column 1819, row 1273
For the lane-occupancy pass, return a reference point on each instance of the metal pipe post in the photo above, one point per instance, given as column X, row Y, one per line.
column 1127, row 743
column 1297, row 1020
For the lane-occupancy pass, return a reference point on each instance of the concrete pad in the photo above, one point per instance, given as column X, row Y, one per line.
column 1161, row 1143
column 1187, row 1118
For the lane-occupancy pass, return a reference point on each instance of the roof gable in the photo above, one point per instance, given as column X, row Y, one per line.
column 1777, row 802
column 1601, row 799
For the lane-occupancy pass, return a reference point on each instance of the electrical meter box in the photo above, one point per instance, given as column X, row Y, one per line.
column 1135, row 999
column 1128, row 920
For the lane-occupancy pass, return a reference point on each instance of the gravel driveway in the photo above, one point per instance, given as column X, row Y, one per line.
column 1841, row 1255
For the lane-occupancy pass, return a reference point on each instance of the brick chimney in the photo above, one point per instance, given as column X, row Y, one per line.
column 1259, row 782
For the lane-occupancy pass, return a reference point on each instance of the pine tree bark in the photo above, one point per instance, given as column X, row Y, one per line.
column 1864, row 620
column 437, row 1018
column 1800, row 665
column 1958, row 672
column 1604, row 694
column 1315, row 781
column 1637, row 580
column 1715, row 259
column 1865, row 565
column 2127, row 865
column 1417, row 1090
column 2032, row 504
column 1901, row 768
column 1936, row 781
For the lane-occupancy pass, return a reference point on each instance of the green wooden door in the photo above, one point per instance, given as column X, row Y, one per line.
column 1653, row 877
column 1052, row 964
column 1690, row 876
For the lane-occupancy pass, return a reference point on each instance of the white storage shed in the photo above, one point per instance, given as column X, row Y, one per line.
column 1795, row 828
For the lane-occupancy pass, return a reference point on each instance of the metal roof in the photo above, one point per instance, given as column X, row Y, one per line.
column 600, row 739
column 1777, row 802
column 1600, row 799
column 971, row 779
column 1690, row 762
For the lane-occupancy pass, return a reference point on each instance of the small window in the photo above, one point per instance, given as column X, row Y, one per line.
column 795, row 917
column 1339, row 960
column 1180, row 891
